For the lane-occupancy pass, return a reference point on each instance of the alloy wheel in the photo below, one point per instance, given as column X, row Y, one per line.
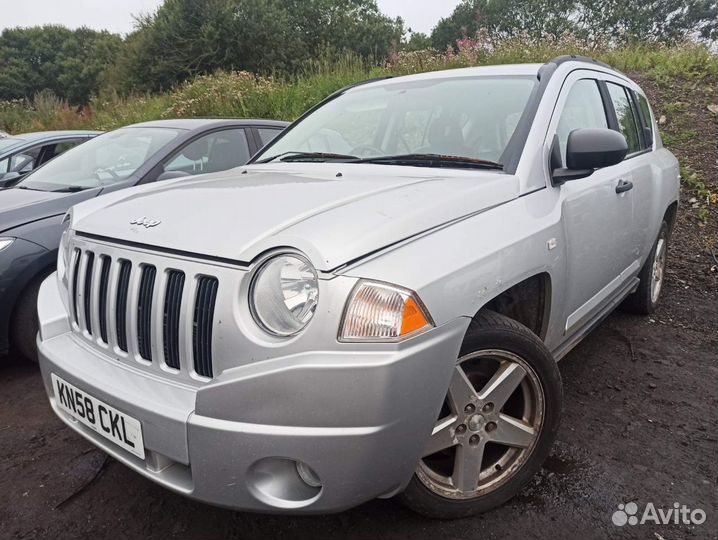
column 488, row 426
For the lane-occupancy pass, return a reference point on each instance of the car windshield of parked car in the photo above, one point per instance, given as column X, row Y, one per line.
column 102, row 161
column 467, row 117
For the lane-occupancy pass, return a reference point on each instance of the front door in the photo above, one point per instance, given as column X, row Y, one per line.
column 596, row 215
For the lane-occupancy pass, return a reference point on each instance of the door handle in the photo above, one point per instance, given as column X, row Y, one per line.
column 623, row 186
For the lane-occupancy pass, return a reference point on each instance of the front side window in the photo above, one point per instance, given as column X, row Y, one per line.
column 583, row 109
column 469, row 117
column 104, row 160
column 625, row 115
column 216, row 151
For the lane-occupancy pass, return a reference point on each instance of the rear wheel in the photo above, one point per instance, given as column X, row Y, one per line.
column 645, row 300
column 496, row 426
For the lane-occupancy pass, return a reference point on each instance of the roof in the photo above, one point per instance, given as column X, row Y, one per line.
column 39, row 135
column 479, row 71
column 198, row 123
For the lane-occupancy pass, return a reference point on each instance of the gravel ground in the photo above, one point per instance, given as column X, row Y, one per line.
column 639, row 425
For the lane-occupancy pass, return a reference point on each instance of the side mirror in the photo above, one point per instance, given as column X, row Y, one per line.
column 170, row 175
column 588, row 149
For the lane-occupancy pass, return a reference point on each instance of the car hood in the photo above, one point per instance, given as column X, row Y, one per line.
column 334, row 213
column 21, row 206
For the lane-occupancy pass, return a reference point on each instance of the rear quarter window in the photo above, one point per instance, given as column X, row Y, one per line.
column 646, row 118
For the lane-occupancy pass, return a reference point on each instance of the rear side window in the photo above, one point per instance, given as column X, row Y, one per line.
column 647, row 121
column 267, row 134
column 625, row 115
column 214, row 152
column 583, row 109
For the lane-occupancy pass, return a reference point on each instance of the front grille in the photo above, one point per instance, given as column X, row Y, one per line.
column 145, row 310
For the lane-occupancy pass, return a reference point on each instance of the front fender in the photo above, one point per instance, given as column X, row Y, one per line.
column 458, row 269
column 20, row 263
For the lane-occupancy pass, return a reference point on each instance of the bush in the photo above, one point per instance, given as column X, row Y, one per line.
column 243, row 94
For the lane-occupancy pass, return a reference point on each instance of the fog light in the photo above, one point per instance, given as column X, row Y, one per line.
column 307, row 474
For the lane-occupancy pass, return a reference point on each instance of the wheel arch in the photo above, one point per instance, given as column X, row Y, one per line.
column 527, row 301
column 670, row 216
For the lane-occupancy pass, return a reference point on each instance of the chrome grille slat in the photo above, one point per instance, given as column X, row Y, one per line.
column 131, row 317
column 77, row 254
column 155, row 311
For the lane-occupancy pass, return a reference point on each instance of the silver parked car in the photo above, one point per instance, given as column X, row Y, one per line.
column 373, row 306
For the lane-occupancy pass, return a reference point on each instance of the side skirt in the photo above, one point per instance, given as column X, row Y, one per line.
column 565, row 347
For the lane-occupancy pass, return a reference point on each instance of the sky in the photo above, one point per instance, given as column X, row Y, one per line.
column 116, row 15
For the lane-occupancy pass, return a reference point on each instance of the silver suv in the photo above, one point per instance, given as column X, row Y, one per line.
column 376, row 304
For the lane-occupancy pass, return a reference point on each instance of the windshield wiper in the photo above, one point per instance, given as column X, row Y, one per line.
column 434, row 160
column 309, row 156
column 70, row 189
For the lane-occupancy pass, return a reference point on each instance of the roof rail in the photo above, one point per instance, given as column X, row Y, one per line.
column 578, row 58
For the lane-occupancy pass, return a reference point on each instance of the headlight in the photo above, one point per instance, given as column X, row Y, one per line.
column 284, row 294
column 382, row 312
column 6, row 243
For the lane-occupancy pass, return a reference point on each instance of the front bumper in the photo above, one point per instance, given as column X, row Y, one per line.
column 359, row 418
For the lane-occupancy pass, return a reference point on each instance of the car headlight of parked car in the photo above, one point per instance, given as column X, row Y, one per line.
column 382, row 312
column 5, row 242
column 284, row 294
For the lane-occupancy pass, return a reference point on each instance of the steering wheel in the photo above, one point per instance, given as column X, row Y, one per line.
column 366, row 150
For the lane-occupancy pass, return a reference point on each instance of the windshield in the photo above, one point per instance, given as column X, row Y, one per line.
column 104, row 160
column 468, row 117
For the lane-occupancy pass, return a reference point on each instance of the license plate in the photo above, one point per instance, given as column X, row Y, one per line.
column 121, row 429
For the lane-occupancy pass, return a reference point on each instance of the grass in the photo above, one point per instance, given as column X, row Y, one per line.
column 241, row 94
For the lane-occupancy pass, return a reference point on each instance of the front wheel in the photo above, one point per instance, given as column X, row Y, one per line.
column 497, row 424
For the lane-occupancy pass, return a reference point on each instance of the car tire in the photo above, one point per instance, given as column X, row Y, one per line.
column 24, row 324
column 645, row 299
column 512, row 344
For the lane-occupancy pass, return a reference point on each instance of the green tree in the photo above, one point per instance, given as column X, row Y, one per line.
column 417, row 41
column 505, row 18
column 642, row 20
column 70, row 63
column 614, row 20
column 188, row 37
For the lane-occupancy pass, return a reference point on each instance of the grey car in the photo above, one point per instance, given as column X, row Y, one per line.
column 375, row 305
column 21, row 154
column 31, row 212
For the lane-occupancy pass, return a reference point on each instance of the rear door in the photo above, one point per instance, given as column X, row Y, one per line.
column 597, row 219
column 634, row 110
